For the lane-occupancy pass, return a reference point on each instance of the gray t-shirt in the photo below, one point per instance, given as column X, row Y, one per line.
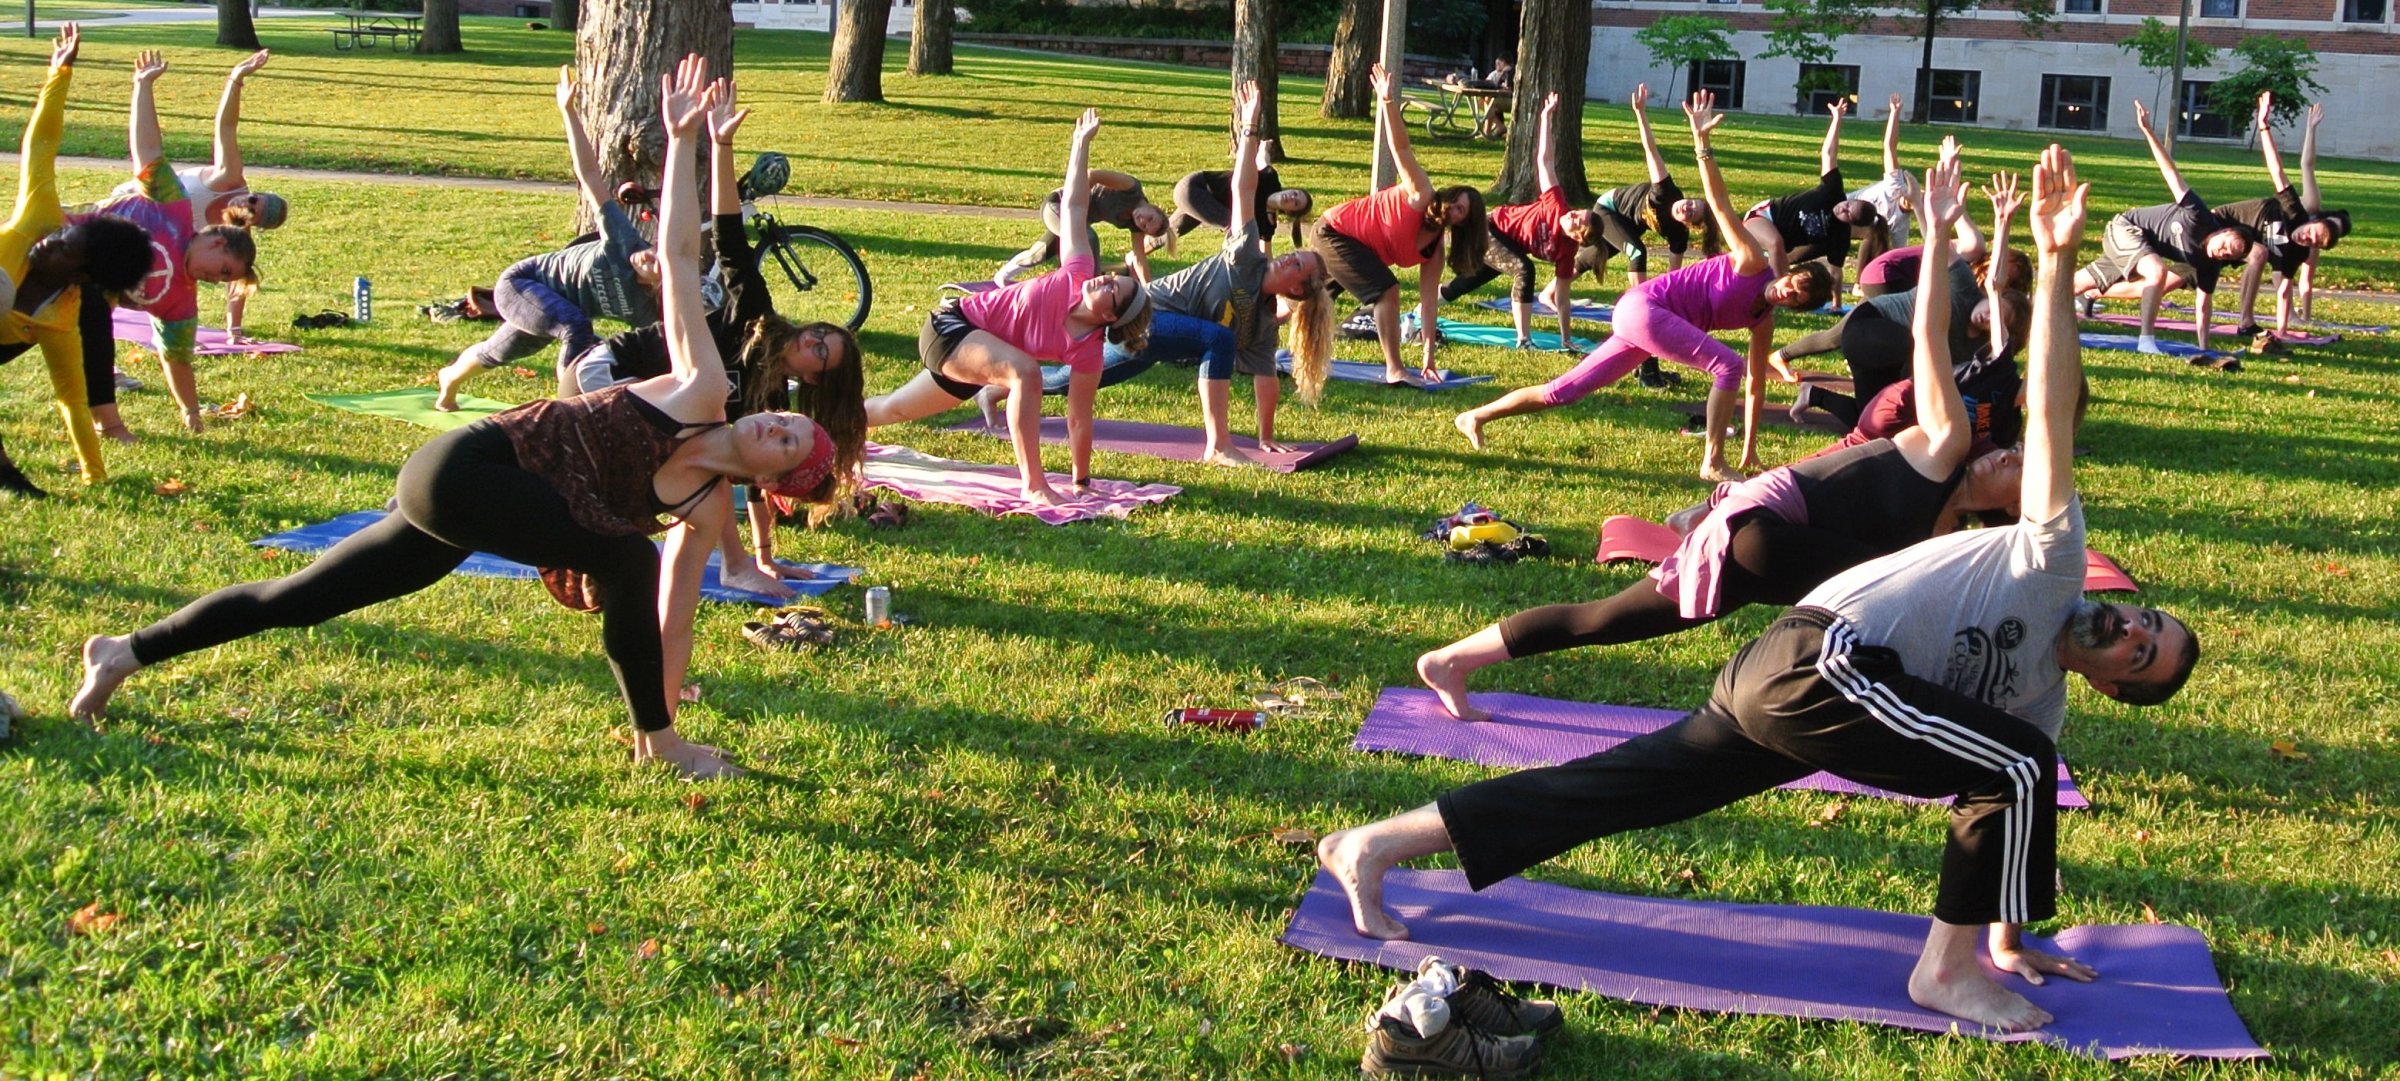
column 1227, row 290
column 597, row 275
column 1965, row 292
column 1977, row 611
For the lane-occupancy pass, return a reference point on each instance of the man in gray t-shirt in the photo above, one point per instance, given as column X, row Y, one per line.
column 1938, row 671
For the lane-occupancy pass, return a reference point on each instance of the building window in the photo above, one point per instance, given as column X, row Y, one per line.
column 2198, row 119
column 1954, row 94
column 2081, row 7
column 2365, row 11
column 2075, row 102
column 1724, row 77
column 1821, row 85
column 2221, row 9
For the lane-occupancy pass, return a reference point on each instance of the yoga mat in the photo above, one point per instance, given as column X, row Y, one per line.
column 134, row 326
column 1625, row 538
column 1773, row 416
column 1529, row 731
column 414, row 405
column 2186, row 326
column 1170, row 442
column 323, row 535
column 2157, row 993
column 1457, row 333
column 995, row 490
column 1584, row 309
column 2126, row 343
column 1353, row 371
column 2325, row 324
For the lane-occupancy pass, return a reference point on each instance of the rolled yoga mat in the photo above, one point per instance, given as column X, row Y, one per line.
column 1625, row 538
column 2157, row 993
column 134, row 327
column 1171, row 442
column 323, row 535
column 1352, row 371
column 995, row 489
column 414, row 405
column 1584, row 309
column 1527, row 731
column 2186, row 326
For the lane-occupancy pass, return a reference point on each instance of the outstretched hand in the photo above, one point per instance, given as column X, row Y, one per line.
column 2266, row 109
column 1641, row 96
column 1381, row 80
column 1945, row 197
column 1950, row 149
column 2316, row 113
column 2141, row 117
column 148, row 65
column 1087, row 125
column 62, row 50
column 723, row 119
column 1549, row 105
column 1838, row 108
column 1702, row 110
column 249, row 65
column 569, row 88
column 1895, row 106
column 2058, row 203
column 2006, row 200
column 1246, row 106
column 685, row 96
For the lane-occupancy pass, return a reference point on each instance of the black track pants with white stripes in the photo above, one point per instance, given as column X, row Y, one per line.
column 1802, row 697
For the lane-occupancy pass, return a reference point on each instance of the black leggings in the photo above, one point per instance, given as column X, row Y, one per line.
column 1501, row 255
column 1770, row 561
column 462, row 493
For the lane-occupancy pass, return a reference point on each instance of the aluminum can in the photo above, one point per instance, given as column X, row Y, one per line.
column 879, row 606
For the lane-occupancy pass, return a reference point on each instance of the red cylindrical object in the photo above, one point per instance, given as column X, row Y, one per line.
column 1232, row 720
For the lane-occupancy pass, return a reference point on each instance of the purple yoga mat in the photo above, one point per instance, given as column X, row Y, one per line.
column 1170, row 442
column 995, row 489
column 2157, row 994
column 133, row 326
column 2186, row 326
column 1529, row 731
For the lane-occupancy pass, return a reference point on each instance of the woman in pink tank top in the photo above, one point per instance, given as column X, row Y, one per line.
column 1669, row 317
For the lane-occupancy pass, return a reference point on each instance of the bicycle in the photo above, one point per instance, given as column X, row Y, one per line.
column 812, row 274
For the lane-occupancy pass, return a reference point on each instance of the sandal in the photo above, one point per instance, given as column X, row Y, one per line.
column 775, row 636
column 324, row 318
column 888, row 515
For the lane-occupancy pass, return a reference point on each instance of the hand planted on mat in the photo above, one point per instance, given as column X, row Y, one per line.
column 755, row 579
column 2034, row 964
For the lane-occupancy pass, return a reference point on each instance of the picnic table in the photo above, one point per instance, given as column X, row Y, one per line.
column 366, row 28
column 1456, row 104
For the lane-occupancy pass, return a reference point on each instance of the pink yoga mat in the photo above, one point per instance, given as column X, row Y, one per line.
column 2186, row 326
column 994, row 489
column 2157, row 994
column 1625, row 538
column 1170, row 442
column 134, row 326
column 1528, row 731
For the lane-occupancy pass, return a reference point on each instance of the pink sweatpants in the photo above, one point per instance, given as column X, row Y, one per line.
column 1639, row 332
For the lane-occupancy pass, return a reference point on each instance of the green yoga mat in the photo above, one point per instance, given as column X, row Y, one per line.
column 414, row 405
column 1504, row 337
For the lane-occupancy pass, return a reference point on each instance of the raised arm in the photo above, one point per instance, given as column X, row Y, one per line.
column 228, row 163
column 2277, row 179
column 1747, row 256
column 1829, row 156
column 1244, row 186
column 2054, row 355
column 1641, row 122
column 2310, row 197
column 2005, row 203
column 1941, row 413
column 683, row 101
column 1412, row 178
column 724, row 120
column 588, row 176
column 1545, row 146
column 141, row 133
column 1891, row 141
column 1075, row 195
column 2158, row 153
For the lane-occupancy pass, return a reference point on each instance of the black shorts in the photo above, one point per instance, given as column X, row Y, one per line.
column 944, row 329
column 1353, row 265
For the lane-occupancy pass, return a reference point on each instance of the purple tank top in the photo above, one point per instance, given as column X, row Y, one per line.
column 1709, row 295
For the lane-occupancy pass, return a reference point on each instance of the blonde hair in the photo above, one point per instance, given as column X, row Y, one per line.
column 1311, row 340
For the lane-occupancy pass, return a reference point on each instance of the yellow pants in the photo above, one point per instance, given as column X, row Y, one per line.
column 55, row 327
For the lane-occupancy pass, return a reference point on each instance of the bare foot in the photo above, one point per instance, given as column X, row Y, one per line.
column 120, row 433
column 1273, row 446
column 106, row 662
column 1232, row 456
column 1783, row 368
column 447, row 400
column 1971, row 995
column 1717, row 473
column 1046, row 496
column 1350, row 855
column 1448, row 684
column 749, row 580
column 1471, row 426
column 1393, row 377
column 988, row 402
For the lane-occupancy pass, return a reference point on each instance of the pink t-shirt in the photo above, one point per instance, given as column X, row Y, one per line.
column 1709, row 295
column 1032, row 315
column 1384, row 222
column 1535, row 225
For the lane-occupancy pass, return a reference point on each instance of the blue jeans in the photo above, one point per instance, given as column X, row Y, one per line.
column 1173, row 337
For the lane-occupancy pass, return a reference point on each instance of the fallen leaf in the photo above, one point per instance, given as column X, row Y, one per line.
column 89, row 920
column 270, row 554
column 2291, row 379
column 203, row 527
column 1291, row 1052
column 1294, row 835
column 2392, row 956
column 933, row 793
column 624, row 863
column 2150, row 914
column 1831, row 813
column 172, row 487
column 2142, row 837
column 2337, row 570
column 523, row 373
column 595, row 928
column 846, row 1043
column 2287, row 750
column 690, row 693
column 695, row 800
column 647, row 950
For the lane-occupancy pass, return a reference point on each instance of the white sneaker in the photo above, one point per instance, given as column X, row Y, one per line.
column 126, row 382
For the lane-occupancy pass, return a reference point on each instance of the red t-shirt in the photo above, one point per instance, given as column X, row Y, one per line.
column 1385, row 223
column 1535, row 225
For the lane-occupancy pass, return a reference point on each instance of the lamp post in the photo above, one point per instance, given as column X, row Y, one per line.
column 1395, row 47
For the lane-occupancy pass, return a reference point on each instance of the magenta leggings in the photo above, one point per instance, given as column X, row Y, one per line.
column 1640, row 332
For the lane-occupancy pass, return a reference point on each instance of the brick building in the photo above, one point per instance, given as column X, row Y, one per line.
column 2074, row 78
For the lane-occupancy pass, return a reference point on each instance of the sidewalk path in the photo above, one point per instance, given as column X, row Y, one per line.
column 167, row 16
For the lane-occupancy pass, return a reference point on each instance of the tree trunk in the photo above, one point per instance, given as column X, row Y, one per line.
column 1933, row 25
column 1255, row 59
column 929, row 38
column 1347, row 92
column 621, row 48
column 441, row 29
column 563, row 14
column 1554, row 46
column 234, row 26
column 856, row 71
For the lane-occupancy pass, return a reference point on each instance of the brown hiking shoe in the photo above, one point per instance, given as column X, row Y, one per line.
column 1460, row 1050
column 1482, row 1002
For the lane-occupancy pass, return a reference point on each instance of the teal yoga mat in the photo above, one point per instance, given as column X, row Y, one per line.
column 414, row 405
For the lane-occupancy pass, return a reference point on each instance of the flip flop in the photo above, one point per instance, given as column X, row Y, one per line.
column 776, row 636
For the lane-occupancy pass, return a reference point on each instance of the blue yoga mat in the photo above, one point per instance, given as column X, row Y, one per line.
column 1583, row 309
column 2126, row 343
column 323, row 535
column 1353, row 371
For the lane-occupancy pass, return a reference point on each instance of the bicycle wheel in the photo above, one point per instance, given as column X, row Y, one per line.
column 814, row 276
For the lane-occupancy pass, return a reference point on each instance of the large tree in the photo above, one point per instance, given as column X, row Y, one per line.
column 856, row 71
column 234, row 25
column 929, row 38
column 1346, row 91
column 441, row 28
column 563, row 14
column 1255, row 60
column 621, row 48
column 1554, row 46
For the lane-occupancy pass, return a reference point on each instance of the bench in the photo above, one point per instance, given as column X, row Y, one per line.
column 365, row 37
column 1440, row 112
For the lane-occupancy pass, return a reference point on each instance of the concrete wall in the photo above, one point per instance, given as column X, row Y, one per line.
column 776, row 15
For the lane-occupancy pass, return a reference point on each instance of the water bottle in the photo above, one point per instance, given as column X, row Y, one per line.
column 879, row 606
column 362, row 299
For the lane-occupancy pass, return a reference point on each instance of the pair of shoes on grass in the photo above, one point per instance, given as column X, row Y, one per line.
column 794, row 631
column 1479, row 1028
column 323, row 319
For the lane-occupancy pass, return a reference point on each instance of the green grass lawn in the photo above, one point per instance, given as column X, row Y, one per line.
column 403, row 844
column 996, row 133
